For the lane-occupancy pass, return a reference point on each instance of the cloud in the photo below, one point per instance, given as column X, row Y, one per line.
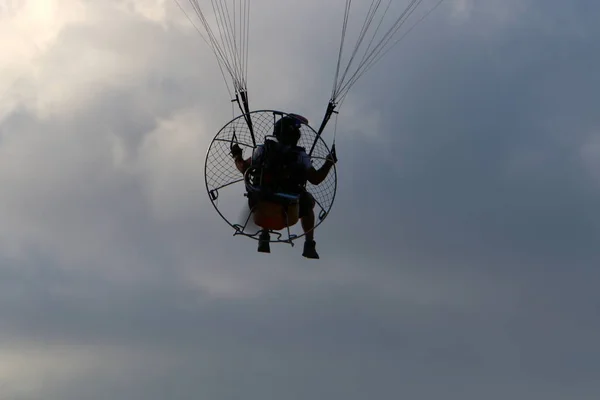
column 460, row 255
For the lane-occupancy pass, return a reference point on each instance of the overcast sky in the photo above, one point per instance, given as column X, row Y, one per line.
column 460, row 260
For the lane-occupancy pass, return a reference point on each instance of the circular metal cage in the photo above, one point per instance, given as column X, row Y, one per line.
column 225, row 184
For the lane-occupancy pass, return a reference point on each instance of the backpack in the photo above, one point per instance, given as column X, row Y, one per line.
column 280, row 168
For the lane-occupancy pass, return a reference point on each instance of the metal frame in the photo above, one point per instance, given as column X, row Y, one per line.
column 213, row 193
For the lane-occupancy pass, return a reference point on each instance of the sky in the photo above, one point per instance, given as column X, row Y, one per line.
column 459, row 261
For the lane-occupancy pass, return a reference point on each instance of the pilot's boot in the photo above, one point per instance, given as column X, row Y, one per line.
column 263, row 242
column 310, row 250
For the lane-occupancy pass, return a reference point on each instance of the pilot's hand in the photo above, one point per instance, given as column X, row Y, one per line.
column 236, row 151
column 332, row 156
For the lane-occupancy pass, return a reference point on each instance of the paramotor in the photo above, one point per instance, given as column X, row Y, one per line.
column 226, row 30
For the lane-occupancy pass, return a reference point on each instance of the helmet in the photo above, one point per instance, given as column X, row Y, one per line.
column 287, row 129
